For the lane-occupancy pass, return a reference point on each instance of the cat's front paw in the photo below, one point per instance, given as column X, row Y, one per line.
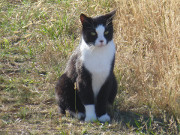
column 104, row 118
column 90, row 118
column 80, row 115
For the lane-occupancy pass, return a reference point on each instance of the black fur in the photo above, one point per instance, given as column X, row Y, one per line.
column 72, row 99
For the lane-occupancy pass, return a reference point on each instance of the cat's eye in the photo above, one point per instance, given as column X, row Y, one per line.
column 106, row 32
column 93, row 33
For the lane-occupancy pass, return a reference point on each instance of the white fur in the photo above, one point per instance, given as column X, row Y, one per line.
column 100, row 33
column 104, row 118
column 90, row 113
column 98, row 61
column 78, row 115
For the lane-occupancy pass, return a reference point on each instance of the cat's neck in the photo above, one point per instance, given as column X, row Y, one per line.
column 110, row 47
column 93, row 56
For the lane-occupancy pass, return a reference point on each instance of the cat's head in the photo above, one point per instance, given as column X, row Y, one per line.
column 97, row 31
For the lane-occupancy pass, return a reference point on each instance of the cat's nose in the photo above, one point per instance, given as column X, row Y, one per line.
column 101, row 41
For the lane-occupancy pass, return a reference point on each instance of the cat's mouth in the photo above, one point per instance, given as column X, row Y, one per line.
column 100, row 45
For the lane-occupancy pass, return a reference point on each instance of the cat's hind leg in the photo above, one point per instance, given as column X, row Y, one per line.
column 67, row 97
column 63, row 90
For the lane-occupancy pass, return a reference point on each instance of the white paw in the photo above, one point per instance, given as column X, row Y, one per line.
column 90, row 118
column 90, row 113
column 104, row 118
column 80, row 115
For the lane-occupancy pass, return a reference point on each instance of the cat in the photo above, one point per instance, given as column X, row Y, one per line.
column 89, row 84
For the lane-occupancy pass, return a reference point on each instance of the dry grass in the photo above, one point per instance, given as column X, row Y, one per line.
column 148, row 57
column 38, row 36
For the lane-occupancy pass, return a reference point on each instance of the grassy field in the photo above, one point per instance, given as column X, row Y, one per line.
column 38, row 36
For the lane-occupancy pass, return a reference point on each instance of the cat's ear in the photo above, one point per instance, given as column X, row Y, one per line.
column 84, row 19
column 110, row 16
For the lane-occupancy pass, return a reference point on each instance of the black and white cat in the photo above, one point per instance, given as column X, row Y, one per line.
column 90, row 70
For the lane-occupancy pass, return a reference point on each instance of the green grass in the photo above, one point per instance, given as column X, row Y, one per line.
column 36, row 39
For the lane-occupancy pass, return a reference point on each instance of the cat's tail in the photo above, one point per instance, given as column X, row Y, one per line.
column 67, row 97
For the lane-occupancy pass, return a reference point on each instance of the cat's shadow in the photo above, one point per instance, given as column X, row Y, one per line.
column 126, row 117
column 133, row 120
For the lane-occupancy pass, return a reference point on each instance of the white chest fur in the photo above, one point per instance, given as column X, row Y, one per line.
column 97, row 61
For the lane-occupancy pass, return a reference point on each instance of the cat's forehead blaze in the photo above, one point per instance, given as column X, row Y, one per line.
column 100, row 29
